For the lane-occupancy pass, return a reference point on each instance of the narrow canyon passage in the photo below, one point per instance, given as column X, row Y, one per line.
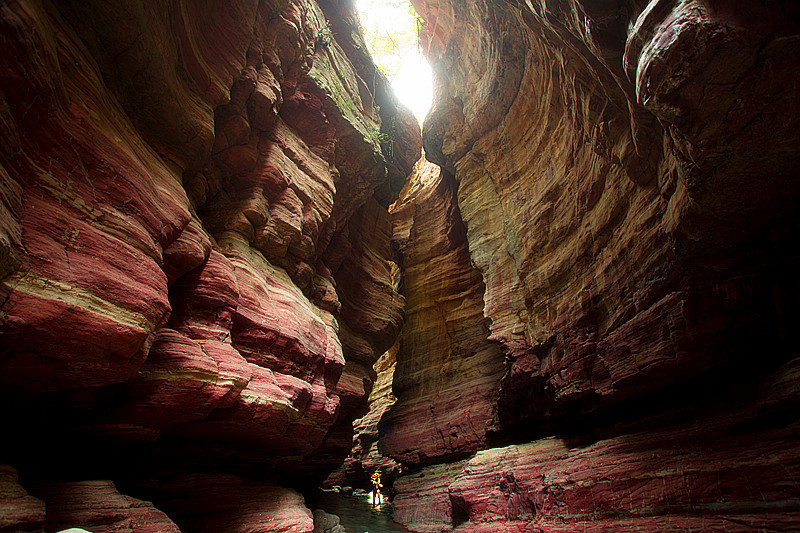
column 233, row 268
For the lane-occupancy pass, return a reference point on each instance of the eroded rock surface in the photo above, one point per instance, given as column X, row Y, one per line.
column 194, row 242
column 98, row 507
column 19, row 511
column 198, row 268
column 444, row 349
column 364, row 458
column 624, row 173
column 667, row 476
column 227, row 503
column 590, row 220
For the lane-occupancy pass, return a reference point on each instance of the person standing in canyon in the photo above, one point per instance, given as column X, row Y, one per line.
column 376, row 488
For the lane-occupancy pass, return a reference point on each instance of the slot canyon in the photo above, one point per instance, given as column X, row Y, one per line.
column 234, row 269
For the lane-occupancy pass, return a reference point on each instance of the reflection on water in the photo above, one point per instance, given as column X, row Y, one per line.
column 356, row 512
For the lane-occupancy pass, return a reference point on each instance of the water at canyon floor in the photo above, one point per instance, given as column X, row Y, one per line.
column 355, row 512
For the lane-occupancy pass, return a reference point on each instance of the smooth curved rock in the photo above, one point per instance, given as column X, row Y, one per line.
column 324, row 522
column 444, row 348
column 99, row 507
column 601, row 222
column 19, row 511
column 227, row 503
column 632, row 221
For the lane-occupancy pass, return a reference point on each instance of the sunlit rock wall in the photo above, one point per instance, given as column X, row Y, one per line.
column 420, row 413
column 194, row 238
column 444, row 350
column 626, row 176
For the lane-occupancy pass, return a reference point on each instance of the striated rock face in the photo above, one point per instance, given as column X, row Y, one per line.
column 194, row 247
column 19, row 511
column 726, row 470
column 594, row 215
column 423, row 501
column 227, row 503
column 444, row 349
column 625, row 176
column 364, row 458
column 99, row 507
column 596, row 285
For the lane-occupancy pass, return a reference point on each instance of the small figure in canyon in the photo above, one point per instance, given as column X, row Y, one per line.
column 377, row 497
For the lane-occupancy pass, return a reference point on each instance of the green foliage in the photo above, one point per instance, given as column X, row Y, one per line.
column 386, row 139
column 325, row 36
column 389, row 43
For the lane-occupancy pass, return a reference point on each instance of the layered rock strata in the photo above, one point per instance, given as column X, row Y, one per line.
column 625, row 174
column 197, row 275
column 194, row 239
column 228, row 503
column 19, row 511
column 444, row 349
column 591, row 212
column 364, row 458
column 732, row 468
column 98, row 507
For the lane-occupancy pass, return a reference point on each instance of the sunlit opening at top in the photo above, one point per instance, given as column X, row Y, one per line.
column 391, row 31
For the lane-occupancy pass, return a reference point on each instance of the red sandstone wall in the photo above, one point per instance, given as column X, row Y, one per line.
column 625, row 172
column 444, row 351
column 601, row 283
column 193, row 241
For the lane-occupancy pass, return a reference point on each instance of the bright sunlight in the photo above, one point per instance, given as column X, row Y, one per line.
column 391, row 32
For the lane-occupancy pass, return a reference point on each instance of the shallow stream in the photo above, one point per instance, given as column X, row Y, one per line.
column 356, row 513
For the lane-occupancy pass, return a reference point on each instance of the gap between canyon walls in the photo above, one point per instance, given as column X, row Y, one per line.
column 196, row 259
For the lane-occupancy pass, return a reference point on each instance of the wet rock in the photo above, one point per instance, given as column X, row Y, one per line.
column 326, row 522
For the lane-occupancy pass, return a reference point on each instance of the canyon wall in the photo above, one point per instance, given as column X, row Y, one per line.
column 207, row 242
column 195, row 257
column 614, row 351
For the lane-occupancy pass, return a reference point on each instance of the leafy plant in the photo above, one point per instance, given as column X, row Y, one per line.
column 389, row 43
column 386, row 139
column 325, row 36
